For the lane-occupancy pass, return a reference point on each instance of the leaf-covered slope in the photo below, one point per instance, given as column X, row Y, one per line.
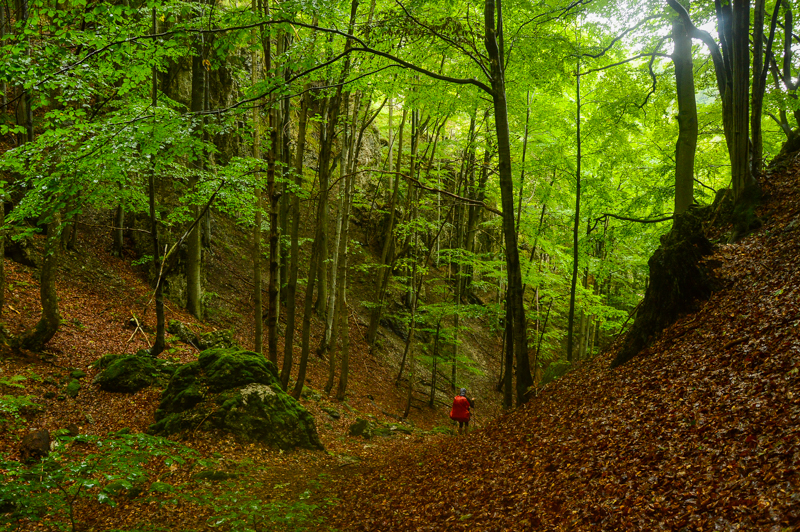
column 699, row 432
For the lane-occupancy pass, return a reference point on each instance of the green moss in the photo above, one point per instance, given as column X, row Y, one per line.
column 229, row 368
column 73, row 388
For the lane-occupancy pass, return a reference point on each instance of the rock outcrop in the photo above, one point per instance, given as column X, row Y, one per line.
column 236, row 392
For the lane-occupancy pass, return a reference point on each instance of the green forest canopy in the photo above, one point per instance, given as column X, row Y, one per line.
column 115, row 106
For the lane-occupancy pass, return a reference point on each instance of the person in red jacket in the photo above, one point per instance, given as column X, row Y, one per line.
column 460, row 411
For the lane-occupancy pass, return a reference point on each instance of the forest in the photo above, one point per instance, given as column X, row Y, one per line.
column 252, row 250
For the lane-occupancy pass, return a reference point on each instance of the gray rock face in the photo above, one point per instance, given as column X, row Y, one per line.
column 237, row 392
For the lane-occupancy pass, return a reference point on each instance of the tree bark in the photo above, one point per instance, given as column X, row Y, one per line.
column 516, row 303
column 274, row 199
column 575, row 250
column 258, row 344
column 686, row 145
column 158, row 345
column 193, row 242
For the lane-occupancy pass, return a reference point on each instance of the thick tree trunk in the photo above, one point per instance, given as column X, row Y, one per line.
column 686, row 145
column 740, row 162
column 759, row 82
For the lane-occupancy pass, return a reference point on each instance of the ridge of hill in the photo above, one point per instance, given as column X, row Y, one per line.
column 700, row 431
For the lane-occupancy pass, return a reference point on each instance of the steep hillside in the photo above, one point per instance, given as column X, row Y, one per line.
column 701, row 431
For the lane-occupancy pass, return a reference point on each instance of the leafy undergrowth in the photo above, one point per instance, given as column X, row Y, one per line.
column 699, row 432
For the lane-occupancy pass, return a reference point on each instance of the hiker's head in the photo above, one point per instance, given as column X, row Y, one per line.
column 463, row 392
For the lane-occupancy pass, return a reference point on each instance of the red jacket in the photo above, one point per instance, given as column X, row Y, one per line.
column 460, row 411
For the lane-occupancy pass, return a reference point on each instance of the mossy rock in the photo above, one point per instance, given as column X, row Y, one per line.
column 73, row 388
column 130, row 373
column 236, row 392
column 229, row 368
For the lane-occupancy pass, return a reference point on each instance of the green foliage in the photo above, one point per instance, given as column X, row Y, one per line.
column 83, row 467
column 239, row 505
column 122, row 466
column 12, row 408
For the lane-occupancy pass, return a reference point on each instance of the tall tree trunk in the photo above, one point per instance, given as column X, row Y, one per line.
column 686, row 145
column 740, row 161
column 274, row 199
column 158, row 345
column 258, row 316
column 193, row 242
column 291, row 286
column 344, row 324
column 316, row 272
column 759, row 83
column 493, row 41
column 575, row 249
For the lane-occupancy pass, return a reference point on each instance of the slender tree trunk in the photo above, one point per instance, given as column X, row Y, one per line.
column 158, row 345
column 316, row 272
column 757, row 98
column 291, row 286
column 274, row 199
column 434, row 371
column 193, row 242
column 344, row 324
column 575, row 249
column 740, row 161
column 493, row 41
column 258, row 310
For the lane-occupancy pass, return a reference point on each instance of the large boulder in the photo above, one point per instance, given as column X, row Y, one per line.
column 130, row 373
column 236, row 392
